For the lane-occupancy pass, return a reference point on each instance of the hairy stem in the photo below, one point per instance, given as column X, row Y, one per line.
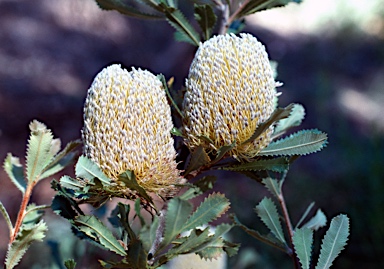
column 22, row 211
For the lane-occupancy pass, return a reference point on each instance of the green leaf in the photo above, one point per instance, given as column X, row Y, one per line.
column 192, row 243
column 276, row 165
column 6, row 216
column 182, row 26
column 198, row 159
column 138, row 212
column 71, row 183
column 99, row 233
column 206, row 18
column 87, row 169
column 136, row 257
column 175, row 218
column 14, row 170
column 129, row 179
column 272, row 185
column 210, row 209
column 174, row 130
column 278, row 114
column 305, row 214
column 334, row 241
column 258, row 5
column 39, row 152
column 201, row 186
column 294, row 119
column 267, row 212
column 125, row 9
column 23, row 240
column 302, row 240
column 222, row 151
column 70, row 264
column 301, row 143
column 317, row 221
column 61, row 160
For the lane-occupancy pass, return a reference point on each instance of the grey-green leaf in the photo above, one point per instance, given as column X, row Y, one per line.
column 87, row 169
column 125, row 9
column 5, row 214
column 198, row 158
column 39, row 153
column 317, row 221
column 334, row 241
column 23, row 240
column 276, row 165
column 129, row 179
column 98, row 232
column 267, row 212
column 14, row 170
column 272, row 185
column 294, row 119
column 258, row 5
column 175, row 218
column 303, row 240
column 301, row 143
column 206, row 19
column 305, row 214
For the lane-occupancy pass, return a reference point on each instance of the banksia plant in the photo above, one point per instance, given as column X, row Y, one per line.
column 230, row 92
column 127, row 124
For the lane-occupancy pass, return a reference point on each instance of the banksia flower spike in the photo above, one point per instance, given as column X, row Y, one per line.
column 127, row 124
column 230, row 91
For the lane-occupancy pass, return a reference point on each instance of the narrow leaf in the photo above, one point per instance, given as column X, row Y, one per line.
column 71, row 183
column 301, row 143
column 99, row 233
column 222, row 151
column 174, row 130
column 23, row 240
column 334, row 241
column 175, row 218
column 192, row 243
column 206, row 18
column 70, row 264
column 87, row 169
column 259, row 5
column 6, row 216
column 302, row 240
column 201, row 186
column 267, row 212
column 129, row 179
column 125, row 9
column 305, row 214
column 14, row 170
column 317, row 221
column 278, row 114
column 210, row 209
column 276, row 165
column 272, row 185
column 39, row 152
column 294, row 119
column 198, row 159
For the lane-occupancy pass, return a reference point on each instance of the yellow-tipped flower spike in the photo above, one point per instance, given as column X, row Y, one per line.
column 127, row 124
column 230, row 91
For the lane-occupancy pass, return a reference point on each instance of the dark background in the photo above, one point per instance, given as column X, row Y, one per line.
column 50, row 52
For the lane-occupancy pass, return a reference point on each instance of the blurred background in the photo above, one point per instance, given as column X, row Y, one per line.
column 331, row 60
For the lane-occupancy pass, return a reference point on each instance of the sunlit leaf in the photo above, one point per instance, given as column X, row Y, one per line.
column 258, row 5
column 334, row 241
column 87, row 169
column 267, row 212
column 15, row 172
column 99, row 233
column 302, row 240
column 22, row 242
column 317, row 221
column 301, row 143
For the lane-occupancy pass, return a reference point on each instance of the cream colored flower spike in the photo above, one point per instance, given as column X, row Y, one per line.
column 127, row 124
column 230, row 91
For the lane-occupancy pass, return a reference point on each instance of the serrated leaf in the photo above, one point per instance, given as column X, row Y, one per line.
column 191, row 243
column 206, row 18
column 70, row 264
column 210, row 209
column 277, row 165
column 267, row 212
column 201, row 186
column 305, row 214
column 63, row 207
column 334, row 241
column 71, row 183
column 125, row 9
column 39, row 153
column 272, row 185
column 87, row 169
column 99, row 233
column 177, row 214
column 61, row 160
column 278, row 114
column 6, row 216
column 182, row 26
column 222, row 151
column 302, row 240
column 301, row 143
column 258, row 5
column 294, row 119
column 14, row 170
column 129, row 179
column 198, row 159
column 317, row 221
column 23, row 240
